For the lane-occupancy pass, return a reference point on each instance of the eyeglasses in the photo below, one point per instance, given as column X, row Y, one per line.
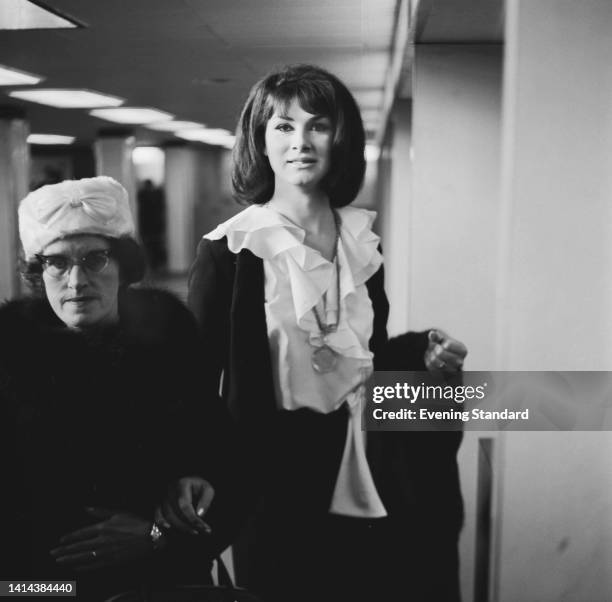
column 58, row 266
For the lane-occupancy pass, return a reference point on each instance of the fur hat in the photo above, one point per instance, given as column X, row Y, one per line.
column 89, row 206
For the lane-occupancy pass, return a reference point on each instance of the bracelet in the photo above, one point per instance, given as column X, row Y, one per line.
column 156, row 535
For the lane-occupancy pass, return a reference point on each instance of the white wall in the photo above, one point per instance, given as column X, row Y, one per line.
column 453, row 231
column 441, row 219
column 556, row 509
column 455, row 197
column 555, row 292
column 558, row 186
column 397, row 216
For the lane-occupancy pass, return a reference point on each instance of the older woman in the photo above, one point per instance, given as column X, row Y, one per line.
column 289, row 294
column 95, row 391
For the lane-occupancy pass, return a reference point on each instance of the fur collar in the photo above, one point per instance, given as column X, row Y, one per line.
column 146, row 315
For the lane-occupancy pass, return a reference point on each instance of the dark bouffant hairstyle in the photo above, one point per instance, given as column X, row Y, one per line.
column 126, row 251
column 320, row 93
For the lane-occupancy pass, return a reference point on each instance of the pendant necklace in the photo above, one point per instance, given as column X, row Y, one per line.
column 324, row 359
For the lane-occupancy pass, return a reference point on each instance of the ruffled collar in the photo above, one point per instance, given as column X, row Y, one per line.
column 269, row 235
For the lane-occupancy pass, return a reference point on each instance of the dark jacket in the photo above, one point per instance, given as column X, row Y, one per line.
column 104, row 419
column 296, row 455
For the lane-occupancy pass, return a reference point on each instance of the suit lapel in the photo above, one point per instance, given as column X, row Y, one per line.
column 251, row 393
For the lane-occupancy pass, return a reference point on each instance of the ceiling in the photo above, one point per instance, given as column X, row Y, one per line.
column 196, row 59
column 459, row 22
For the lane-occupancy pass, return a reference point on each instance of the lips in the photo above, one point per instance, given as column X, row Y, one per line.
column 302, row 162
column 79, row 300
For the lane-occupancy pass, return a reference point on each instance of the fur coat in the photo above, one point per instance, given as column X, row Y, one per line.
column 104, row 419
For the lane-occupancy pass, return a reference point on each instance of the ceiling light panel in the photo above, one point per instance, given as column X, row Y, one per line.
column 49, row 139
column 216, row 137
column 372, row 152
column 144, row 155
column 205, row 134
column 21, row 14
column 68, row 99
column 131, row 115
column 174, row 126
column 14, row 77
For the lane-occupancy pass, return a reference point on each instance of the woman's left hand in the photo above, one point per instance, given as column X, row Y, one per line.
column 444, row 355
column 116, row 539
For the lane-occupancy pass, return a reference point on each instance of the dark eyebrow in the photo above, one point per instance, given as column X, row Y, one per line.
column 66, row 256
column 313, row 118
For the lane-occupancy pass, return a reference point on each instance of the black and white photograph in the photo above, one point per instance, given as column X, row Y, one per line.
column 306, row 300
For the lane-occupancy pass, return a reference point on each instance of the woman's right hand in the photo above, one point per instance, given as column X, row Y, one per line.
column 187, row 501
column 444, row 354
column 115, row 539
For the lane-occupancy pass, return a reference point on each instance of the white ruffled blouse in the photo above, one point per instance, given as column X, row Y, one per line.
column 297, row 279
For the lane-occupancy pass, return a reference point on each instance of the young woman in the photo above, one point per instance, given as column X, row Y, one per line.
column 98, row 408
column 289, row 295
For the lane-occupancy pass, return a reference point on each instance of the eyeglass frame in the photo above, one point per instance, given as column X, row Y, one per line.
column 71, row 262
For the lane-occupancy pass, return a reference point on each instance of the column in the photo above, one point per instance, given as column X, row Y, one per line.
column 14, row 185
column 397, row 216
column 181, row 192
column 198, row 198
column 113, row 153
column 215, row 201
